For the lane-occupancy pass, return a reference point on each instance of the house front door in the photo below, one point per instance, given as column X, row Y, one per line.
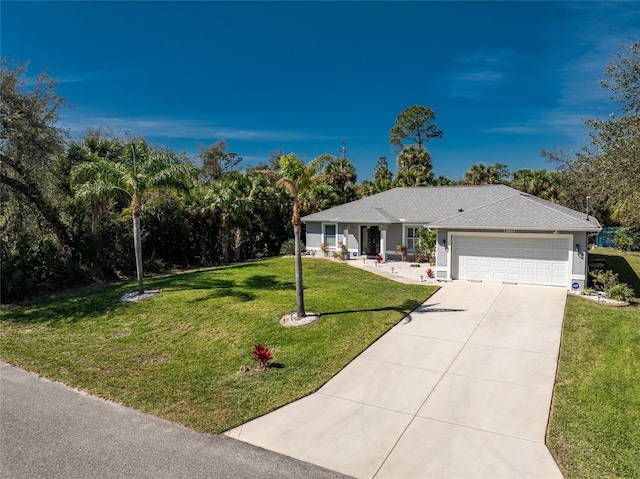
column 370, row 242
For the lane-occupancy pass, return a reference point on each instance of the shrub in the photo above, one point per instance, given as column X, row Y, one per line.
column 427, row 242
column 587, row 291
column 343, row 254
column 403, row 250
column 288, row 248
column 624, row 240
column 325, row 248
column 262, row 354
column 32, row 265
column 430, row 273
column 420, row 256
column 604, row 280
column 621, row 292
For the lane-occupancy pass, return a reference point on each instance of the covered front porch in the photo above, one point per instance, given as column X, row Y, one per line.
column 360, row 240
column 396, row 269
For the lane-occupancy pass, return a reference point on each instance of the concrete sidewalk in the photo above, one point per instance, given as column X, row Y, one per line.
column 461, row 387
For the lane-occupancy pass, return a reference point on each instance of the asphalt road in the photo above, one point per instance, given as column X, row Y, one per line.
column 50, row 431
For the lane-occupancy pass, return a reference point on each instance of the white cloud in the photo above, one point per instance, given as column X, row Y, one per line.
column 566, row 123
column 478, row 72
column 485, row 76
column 77, row 124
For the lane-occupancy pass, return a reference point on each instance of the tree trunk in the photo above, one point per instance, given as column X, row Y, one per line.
column 299, row 288
column 94, row 217
column 137, row 242
column 225, row 246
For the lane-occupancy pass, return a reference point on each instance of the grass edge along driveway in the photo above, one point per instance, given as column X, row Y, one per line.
column 594, row 428
column 183, row 354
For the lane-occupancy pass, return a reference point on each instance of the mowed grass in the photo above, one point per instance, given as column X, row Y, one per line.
column 179, row 355
column 594, row 431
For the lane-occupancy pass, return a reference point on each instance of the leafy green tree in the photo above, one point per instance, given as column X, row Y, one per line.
column 272, row 163
column 414, row 124
column 623, row 78
column 216, row 161
column 624, row 240
column 481, row 174
column 30, row 141
column 140, row 171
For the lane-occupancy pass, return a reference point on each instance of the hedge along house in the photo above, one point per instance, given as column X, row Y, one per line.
column 485, row 233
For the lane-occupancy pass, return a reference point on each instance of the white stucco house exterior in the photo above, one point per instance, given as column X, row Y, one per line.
column 485, row 233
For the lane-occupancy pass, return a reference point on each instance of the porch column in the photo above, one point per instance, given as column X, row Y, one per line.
column 345, row 234
column 383, row 242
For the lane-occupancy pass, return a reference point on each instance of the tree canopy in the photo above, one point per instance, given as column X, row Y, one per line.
column 481, row 174
column 30, row 143
column 415, row 124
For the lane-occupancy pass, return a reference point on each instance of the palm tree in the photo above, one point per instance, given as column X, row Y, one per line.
column 231, row 206
column 318, row 196
column 340, row 173
column 382, row 179
column 538, row 183
column 296, row 177
column 414, row 167
column 92, row 147
column 482, row 174
column 140, row 170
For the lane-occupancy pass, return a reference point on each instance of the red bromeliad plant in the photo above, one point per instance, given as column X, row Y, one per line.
column 262, row 354
column 430, row 273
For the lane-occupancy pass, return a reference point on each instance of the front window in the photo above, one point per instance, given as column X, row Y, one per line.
column 330, row 235
column 412, row 238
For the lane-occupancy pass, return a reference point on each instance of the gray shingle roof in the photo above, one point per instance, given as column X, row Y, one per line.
column 466, row 207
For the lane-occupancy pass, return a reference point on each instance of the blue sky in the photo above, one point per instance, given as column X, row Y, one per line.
column 505, row 79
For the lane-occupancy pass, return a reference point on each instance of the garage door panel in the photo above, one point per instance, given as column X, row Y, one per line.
column 527, row 260
column 485, row 275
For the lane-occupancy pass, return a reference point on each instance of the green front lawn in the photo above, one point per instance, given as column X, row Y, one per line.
column 179, row 354
column 594, row 431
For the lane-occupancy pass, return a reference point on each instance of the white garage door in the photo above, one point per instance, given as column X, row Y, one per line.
column 528, row 260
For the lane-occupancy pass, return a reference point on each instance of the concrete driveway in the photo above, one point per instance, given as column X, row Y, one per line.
column 460, row 388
